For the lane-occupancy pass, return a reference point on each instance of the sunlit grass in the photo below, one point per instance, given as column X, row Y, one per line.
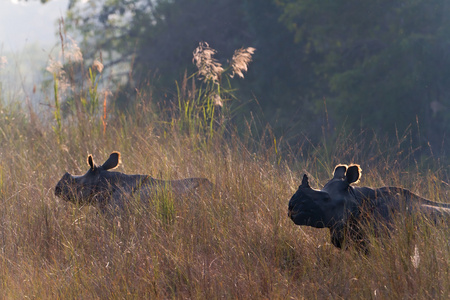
column 233, row 242
column 236, row 242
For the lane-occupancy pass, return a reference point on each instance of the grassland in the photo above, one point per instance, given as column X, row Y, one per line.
column 236, row 242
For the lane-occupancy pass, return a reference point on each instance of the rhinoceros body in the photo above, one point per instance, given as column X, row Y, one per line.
column 345, row 209
column 112, row 191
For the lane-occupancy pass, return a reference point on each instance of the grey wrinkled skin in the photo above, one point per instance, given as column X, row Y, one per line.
column 111, row 191
column 344, row 209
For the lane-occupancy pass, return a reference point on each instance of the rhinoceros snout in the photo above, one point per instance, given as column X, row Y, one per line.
column 65, row 180
column 58, row 191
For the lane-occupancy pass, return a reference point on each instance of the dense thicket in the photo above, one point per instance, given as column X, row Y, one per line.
column 378, row 65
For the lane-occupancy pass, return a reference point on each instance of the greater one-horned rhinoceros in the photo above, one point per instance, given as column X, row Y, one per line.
column 346, row 210
column 112, row 190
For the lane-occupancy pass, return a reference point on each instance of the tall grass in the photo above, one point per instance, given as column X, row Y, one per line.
column 58, row 128
column 234, row 243
column 202, row 109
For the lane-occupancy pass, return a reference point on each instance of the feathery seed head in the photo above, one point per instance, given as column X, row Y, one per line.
column 73, row 52
column 55, row 67
column 208, row 67
column 218, row 100
column 240, row 61
column 97, row 65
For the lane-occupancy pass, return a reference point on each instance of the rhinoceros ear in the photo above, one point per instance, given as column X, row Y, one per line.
column 339, row 171
column 305, row 182
column 112, row 162
column 90, row 161
column 353, row 173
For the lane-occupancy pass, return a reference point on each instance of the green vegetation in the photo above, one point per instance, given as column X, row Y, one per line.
column 333, row 87
column 235, row 243
column 378, row 66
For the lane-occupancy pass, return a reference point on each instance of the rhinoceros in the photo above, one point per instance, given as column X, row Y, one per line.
column 111, row 191
column 347, row 210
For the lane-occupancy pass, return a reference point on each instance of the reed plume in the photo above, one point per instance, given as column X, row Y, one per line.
column 208, row 67
column 97, row 65
column 240, row 61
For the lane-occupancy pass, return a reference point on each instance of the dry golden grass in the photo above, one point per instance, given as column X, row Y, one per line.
column 235, row 243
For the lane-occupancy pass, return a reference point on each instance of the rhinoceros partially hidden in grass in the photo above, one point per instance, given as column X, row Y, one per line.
column 111, row 191
column 347, row 211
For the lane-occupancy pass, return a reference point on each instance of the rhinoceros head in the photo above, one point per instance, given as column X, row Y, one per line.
column 84, row 189
column 309, row 206
column 326, row 207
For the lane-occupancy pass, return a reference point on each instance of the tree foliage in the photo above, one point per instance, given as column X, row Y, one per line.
column 380, row 65
column 386, row 63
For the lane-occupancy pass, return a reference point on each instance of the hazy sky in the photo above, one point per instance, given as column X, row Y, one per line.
column 27, row 40
column 26, row 22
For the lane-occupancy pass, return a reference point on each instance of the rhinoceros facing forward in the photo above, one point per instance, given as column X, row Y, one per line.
column 112, row 190
column 345, row 209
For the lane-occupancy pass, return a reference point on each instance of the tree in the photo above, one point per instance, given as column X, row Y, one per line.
column 157, row 38
column 385, row 63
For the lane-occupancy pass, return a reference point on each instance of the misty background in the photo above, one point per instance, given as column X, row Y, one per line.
column 321, row 69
